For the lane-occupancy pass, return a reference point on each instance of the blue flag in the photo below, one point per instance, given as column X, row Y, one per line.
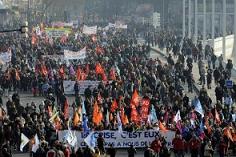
column 198, row 108
column 85, row 124
column 153, row 116
column 90, row 140
column 83, row 108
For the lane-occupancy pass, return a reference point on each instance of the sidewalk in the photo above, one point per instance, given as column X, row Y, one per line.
column 211, row 92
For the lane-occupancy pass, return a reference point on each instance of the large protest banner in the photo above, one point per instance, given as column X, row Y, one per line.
column 71, row 55
column 69, row 86
column 57, row 32
column 139, row 139
column 90, row 30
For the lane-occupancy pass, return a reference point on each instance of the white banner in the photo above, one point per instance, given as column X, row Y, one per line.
column 5, row 57
column 57, row 32
column 69, row 86
column 90, row 30
column 71, row 55
column 139, row 139
column 116, row 25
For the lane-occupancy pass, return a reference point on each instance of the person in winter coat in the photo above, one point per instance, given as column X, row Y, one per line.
column 148, row 152
column 131, row 151
column 208, row 150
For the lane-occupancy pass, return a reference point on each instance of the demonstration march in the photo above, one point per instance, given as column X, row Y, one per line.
column 95, row 89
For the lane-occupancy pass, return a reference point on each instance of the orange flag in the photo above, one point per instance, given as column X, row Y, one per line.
column 227, row 133
column 17, row 75
column 124, row 118
column 162, row 127
column 66, row 110
column 99, row 69
column 135, row 98
column 97, row 114
column 114, row 106
column 76, row 119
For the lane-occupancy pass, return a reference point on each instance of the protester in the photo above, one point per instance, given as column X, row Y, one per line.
column 131, row 151
column 128, row 81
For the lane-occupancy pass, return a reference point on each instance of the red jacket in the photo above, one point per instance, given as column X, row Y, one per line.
column 178, row 144
column 156, row 146
column 194, row 144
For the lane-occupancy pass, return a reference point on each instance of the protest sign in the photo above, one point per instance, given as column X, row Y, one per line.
column 71, row 55
column 90, row 30
column 139, row 139
column 57, row 32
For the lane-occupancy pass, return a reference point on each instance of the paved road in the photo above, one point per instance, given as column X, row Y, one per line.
column 211, row 92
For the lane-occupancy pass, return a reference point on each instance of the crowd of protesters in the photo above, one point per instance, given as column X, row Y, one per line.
column 126, row 72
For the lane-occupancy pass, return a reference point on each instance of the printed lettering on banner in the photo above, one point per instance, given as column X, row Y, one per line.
column 57, row 32
column 123, row 140
column 71, row 55
column 90, row 30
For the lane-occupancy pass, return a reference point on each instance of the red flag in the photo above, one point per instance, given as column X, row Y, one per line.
column 99, row 69
column 66, row 110
column 44, row 70
column 34, row 39
column 63, row 39
column 114, row 106
column 99, row 98
column 87, row 69
column 112, row 74
column 135, row 98
column 99, row 50
column 83, row 76
column 145, row 109
column 134, row 115
column 78, row 73
column 209, row 129
column 62, row 73
column 217, row 117
column 104, row 77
